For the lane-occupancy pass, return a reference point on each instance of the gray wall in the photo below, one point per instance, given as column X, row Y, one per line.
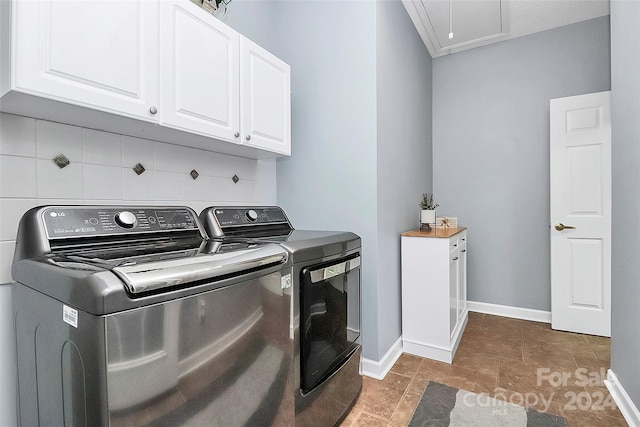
column 257, row 20
column 329, row 182
column 625, row 280
column 491, row 150
column 404, row 152
column 361, row 132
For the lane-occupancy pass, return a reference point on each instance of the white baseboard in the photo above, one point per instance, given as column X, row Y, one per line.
column 625, row 404
column 379, row 370
column 437, row 352
column 508, row 311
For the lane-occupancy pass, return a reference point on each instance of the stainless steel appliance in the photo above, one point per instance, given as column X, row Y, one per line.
column 325, row 313
column 129, row 316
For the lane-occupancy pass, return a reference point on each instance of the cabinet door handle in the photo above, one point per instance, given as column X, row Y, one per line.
column 455, row 258
column 248, row 138
column 237, row 134
column 464, row 250
column 455, row 245
column 153, row 110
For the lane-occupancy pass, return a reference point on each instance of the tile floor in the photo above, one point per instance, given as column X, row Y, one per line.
column 516, row 360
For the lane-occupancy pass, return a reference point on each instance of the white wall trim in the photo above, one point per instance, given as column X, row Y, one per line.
column 379, row 370
column 625, row 404
column 508, row 311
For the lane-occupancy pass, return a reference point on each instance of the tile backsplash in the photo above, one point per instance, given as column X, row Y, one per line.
column 101, row 172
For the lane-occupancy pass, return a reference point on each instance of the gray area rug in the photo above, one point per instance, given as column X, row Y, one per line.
column 442, row 406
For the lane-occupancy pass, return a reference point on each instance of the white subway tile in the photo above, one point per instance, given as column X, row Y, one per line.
column 56, row 183
column 100, row 202
column 102, row 148
column 246, row 168
column 235, row 192
column 138, row 188
column 6, row 259
column 193, row 189
column 221, row 165
column 168, row 185
column 218, row 189
column 17, row 177
column 250, row 192
column 17, row 135
column 168, row 157
column 55, row 138
column 193, row 158
column 137, row 150
column 102, row 182
column 11, row 210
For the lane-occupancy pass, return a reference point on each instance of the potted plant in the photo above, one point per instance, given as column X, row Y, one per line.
column 212, row 5
column 428, row 206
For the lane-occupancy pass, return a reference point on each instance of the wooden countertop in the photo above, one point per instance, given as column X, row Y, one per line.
column 435, row 232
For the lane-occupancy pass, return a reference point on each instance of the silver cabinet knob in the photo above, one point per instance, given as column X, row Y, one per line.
column 248, row 137
column 237, row 134
column 153, row 110
column 455, row 259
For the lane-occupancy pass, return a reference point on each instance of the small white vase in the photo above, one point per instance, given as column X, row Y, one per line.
column 428, row 216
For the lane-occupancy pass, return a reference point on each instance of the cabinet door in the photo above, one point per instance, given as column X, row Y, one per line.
column 453, row 291
column 97, row 54
column 200, row 72
column 462, row 277
column 265, row 90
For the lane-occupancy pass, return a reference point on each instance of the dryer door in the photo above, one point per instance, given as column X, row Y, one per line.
column 330, row 318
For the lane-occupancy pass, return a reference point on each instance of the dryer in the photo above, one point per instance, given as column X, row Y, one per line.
column 325, row 311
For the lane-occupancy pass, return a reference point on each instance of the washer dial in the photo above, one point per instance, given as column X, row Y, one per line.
column 126, row 219
column 252, row 215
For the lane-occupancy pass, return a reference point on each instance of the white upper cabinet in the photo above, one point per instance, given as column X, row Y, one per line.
column 182, row 75
column 265, row 90
column 200, row 72
column 98, row 54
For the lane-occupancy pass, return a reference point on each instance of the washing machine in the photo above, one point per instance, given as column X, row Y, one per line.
column 325, row 311
column 130, row 316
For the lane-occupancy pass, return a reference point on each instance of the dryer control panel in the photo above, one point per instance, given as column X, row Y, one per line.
column 63, row 222
column 230, row 217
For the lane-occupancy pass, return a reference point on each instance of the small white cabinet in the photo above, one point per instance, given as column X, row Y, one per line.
column 434, row 291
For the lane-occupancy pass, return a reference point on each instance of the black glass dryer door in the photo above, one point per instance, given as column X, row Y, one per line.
column 329, row 317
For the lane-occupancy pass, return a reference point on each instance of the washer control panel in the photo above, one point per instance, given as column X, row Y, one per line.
column 234, row 217
column 80, row 221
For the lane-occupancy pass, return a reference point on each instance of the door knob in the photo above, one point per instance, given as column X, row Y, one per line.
column 561, row 226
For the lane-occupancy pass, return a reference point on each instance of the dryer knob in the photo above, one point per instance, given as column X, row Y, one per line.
column 126, row 219
column 252, row 215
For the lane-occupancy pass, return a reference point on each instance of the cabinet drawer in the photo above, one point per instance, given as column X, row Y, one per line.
column 454, row 243
column 459, row 241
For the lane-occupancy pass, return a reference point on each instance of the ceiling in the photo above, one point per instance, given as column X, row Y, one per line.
column 477, row 23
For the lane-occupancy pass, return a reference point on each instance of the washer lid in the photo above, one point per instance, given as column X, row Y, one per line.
column 150, row 276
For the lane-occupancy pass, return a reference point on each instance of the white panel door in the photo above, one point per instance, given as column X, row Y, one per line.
column 98, row 54
column 581, row 213
column 200, row 72
column 265, row 90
